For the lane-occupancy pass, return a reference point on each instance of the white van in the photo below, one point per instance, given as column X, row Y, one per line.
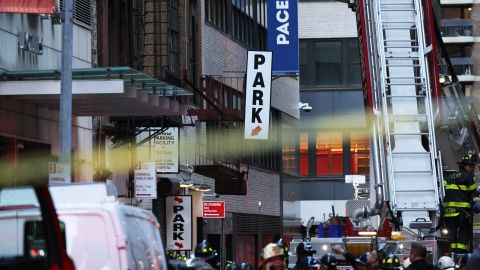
column 100, row 232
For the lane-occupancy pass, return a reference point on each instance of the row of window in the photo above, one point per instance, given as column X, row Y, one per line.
column 244, row 20
column 310, row 154
column 329, row 62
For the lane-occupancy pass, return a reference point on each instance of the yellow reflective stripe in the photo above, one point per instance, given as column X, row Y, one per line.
column 461, row 246
column 457, row 204
column 460, row 187
column 453, row 245
column 472, row 187
column 451, row 214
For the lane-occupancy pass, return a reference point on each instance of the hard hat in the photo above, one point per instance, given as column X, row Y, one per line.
column 363, row 259
column 272, row 250
column 205, row 251
column 445, row 263
column 463, row 260
column 391, row 262
column 329, row 261
column 312, row 262
column 229, row 265
column 468, row 159
column 283, row 246
column 245, row 266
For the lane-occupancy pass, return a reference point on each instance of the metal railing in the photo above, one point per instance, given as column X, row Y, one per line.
column 457, row 28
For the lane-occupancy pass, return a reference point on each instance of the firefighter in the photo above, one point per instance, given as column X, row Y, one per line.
column 328, row 262
column 272, row 257
column 203, row 257
column 460, row 190
column 445, row 263
column 391, row 262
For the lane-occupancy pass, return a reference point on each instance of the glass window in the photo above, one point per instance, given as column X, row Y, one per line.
column 359, row 153
column 329, row 153
column 289, row 160
column 328, row 62
column 304, row 154
column 303, row 62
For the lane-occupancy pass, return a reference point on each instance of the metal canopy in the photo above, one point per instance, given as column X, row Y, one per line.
column 129, row 76
column 113, row 91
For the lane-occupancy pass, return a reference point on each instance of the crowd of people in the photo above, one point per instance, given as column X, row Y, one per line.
column 275, row 257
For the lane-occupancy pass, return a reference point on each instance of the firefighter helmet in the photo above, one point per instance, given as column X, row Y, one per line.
column 205, row 251
column 312, row 263
column 245, row 266
column 391, row 262
column 231, row 266
column 468, row 159
column 271, row 250
column 445, row 263
column 363, row 259
column 329, row 261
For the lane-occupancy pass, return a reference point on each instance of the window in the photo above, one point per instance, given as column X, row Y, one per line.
column 289, row 155
column 239, row 19
column 173, row 46
column 329, row 153
column 304, row 171
column 82, row 11
column 329, row 62
column 359, row 153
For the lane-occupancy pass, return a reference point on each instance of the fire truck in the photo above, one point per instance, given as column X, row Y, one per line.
column 420, row 126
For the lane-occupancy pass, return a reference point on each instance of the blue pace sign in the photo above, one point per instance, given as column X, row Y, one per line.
column 283, row 35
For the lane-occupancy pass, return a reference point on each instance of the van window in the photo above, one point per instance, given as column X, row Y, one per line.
column 145, row 248
column 20, row 229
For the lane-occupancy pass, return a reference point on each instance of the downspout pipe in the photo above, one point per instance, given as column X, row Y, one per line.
column 366, row 212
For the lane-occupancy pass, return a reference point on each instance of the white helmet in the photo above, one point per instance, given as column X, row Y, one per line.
column 446, row 263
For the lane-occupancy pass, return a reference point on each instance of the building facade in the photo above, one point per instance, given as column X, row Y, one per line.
column 332, row 139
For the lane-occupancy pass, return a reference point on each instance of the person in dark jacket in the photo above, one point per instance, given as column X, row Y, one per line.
column 360, row 263
column 460, row 189
column 474, row 260
column 418, row 254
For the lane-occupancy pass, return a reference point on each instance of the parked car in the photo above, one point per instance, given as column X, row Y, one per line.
column 100, row 232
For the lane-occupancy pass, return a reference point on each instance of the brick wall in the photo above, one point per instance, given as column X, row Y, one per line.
column 325, row 20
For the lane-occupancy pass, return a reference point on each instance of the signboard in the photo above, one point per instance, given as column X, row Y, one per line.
column 355, row 179
column 213, row 209
column 30, row 6
column 257, row 96
column 166, row 151
column 145, row 179
column 59, row 173
column 179, row 222
column 283, row 35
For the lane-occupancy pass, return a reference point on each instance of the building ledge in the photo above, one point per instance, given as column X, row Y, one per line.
column 468, row 78
column 459, row 2
column 460, row 39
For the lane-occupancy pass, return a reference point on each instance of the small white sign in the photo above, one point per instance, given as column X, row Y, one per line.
column 179, row 222
column 166, row 151
column 355, row 179
column 257, row 96
column 145, row 179
column 59, row 173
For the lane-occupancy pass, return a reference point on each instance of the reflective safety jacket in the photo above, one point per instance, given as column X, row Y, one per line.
column 460, row 189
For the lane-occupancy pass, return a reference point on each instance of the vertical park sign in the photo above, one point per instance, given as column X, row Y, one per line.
column 257, row 95
column 179, row 222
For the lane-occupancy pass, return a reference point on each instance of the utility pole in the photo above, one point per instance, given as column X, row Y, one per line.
column 65, row 125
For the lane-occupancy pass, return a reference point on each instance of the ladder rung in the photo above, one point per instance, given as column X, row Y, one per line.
column 407, row 118
column 404, row 65
column 412, row 171
column 397, row 9
column 406, row 83
column 391, row 57
column 396, row 4
column 417, row 96
column 398, row 28
column 415, row 190
column 399, row 40
column 401, row 47
column 403, row 78
column 411, row 153
column 384, row 22
column 409, row 134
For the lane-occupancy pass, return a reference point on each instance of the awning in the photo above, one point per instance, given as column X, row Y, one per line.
column 113, row 91
column 28, row 6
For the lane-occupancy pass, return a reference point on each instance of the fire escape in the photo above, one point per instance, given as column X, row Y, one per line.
column 219, row 102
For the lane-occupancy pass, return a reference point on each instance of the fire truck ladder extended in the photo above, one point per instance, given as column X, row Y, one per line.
column 406, row 110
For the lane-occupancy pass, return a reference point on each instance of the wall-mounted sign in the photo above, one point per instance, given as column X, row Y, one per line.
column 283, row 35
column 257, row 96
column 145, row 179
column 179, row 222
column 213, row 209
column 166, row 151
column 30, row 6
column 59, row 173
